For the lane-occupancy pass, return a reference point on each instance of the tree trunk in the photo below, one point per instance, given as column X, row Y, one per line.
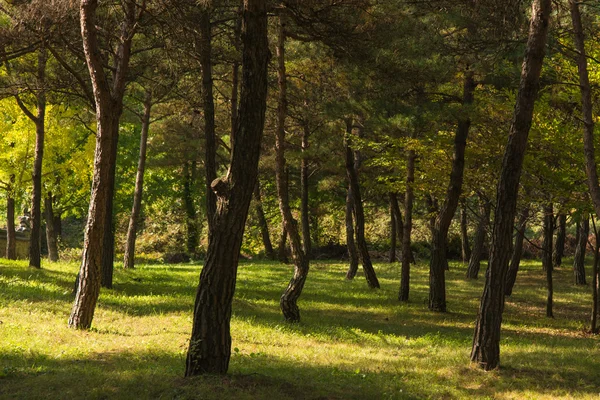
column 205, row 54
column 191, row 222
column 547, row 255
column 51, row 237
column 136, row 209
column 513, row 269
column 210, row 344
column 290, row 296
column 486, row 339
column 559, row 244
column 583, row 232
column 304, row 201
column 282, row 245
column 464, row 234
column 480, row 236
column 262, row 222
column 406, row 241
column 595, row 288
column 399, row 223
column 109, row 105
column 350, row 242
column 108, row 246
column 358, row 211
column 392, row 257
column 439, row 261
column 11, row 240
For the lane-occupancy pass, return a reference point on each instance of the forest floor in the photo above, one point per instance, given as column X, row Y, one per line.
column 352, row 343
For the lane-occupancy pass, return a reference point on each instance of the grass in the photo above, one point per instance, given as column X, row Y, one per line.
column 352, row 343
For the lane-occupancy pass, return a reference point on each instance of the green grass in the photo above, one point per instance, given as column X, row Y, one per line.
column 352, row 343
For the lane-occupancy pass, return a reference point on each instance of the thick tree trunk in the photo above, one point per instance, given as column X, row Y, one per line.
column 289, row 298
column 262, row 223
column 304, row 198
column 359, row 215
column 205, row 54
column 407, row 256
column 191, row 221
column 559, row 244
column 464, row 234
column 350, row 242
column 583, row 232
column 108, row 246
column 210, row 344
column 486, row 339
column 392, row 256
column 51, row 237
column 109, row 105
column 513, row 269
column 136, row 209
column 439, row 261
column 11, row 240
column 547, row 256
column 480, row 236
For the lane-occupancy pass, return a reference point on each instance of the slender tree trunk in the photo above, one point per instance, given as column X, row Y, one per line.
column 108, row 98
column 304, row 209
column 290, row 296
column 136, row 209
column 399, row 223
column 583, row 232
column 191, row 221
column 595, row 287
column 205, row 54
column 11, row 240
column 282, row 245
column 210, row 344
column 51, row 237
column 464, row 234
column 235, row 75
column 486, row 339
column 559, row 244
column 358, row 211
column 513, row 269
column 350, row 242
column 439, row 261
column 480, row 236
column 392, row 257
column 262, row 222
column 547, row 256
column 108, row 247
column 406, row 240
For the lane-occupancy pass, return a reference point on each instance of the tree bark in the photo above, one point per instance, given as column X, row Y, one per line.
column 109, row 105
column 595, row 287
column 359, row 215
column 513, row 269
column 439, row 261
column 51, row 237
column 547, row 256
column 304, row 201
column 282, row 245
column 407, row 256
column 464, row 234
column 583, row 232
column 108, row 246
column 392, row 257
column 486, row 339
column 210, row 344
column 350, row 242
column 136, row 209
column 480, row 236
column 559, row 244
column 191, row 221
column 262, row 222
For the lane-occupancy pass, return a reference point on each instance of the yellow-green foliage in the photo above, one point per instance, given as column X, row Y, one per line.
column 352, row 343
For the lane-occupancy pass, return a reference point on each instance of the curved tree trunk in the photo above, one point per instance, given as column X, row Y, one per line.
column 559, row 244
column 262, row 222
column 210, row 344
column 289, row 298
column 480, row 236
column 359, row 215
column 136, row 209
column 350, row 242
column 464, row 235
column 439, row 262
column 513, row 269
column 547, row 256
column 486, row 339
column 407, row 257
column 583, row 232
column 51, row 237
